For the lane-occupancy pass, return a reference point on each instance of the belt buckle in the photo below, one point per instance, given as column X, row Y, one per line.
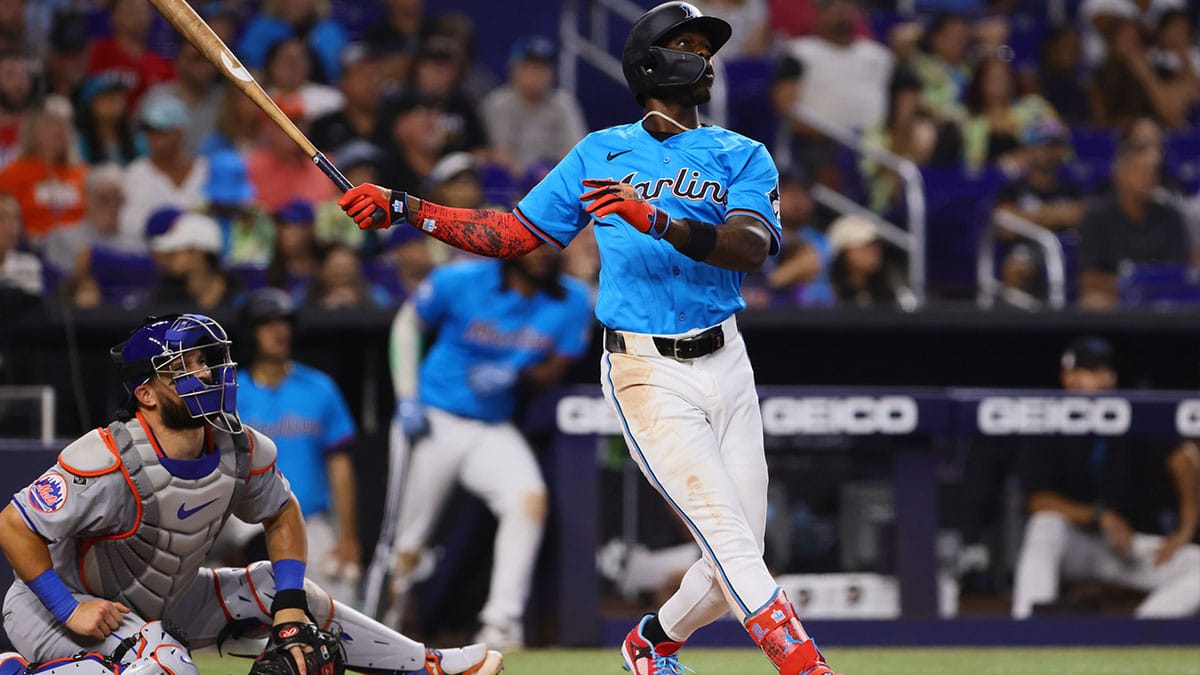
column 685, row 342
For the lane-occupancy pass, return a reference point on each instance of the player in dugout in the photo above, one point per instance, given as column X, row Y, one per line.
column 108, row 543
column 683, row 211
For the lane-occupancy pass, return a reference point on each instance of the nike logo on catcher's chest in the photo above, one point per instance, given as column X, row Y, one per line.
column 613, row 155
column 185, row 512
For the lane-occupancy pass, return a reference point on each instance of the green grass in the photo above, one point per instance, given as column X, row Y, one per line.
column 1004, row 661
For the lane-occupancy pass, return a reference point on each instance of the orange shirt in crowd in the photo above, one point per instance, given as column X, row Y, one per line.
column 139, row 72
column 277, row 182
column 49, row 195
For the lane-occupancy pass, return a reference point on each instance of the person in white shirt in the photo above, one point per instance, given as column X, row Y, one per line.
column 1097, row 17
column 168, row 175
column 845, row 76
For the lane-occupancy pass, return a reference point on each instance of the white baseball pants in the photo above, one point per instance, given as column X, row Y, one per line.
column 1054, row 548
column 494, row 463
column 695, row 429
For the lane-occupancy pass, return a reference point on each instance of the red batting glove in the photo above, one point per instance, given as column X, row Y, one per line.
column 361, row 202
column 608, row 197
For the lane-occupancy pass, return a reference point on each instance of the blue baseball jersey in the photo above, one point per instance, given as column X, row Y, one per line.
column 708, row 174
column 308, row 418
column 483, row 327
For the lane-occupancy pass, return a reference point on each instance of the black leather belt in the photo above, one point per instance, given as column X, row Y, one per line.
column 691, row 347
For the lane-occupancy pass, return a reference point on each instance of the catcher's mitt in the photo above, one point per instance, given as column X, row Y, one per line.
column 325, row 658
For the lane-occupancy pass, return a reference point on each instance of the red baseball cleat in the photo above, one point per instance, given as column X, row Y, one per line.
column 777, row 631
column 643, row 658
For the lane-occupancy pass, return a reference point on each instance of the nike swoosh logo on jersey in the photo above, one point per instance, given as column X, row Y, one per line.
column 185, row 512
column 614, row 155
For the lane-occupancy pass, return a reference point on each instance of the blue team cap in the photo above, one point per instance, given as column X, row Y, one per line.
column 297, row 211
column 228, row 182
column 532, row 48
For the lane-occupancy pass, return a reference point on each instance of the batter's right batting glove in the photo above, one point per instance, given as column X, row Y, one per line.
column 610, row 197
column 360, row 203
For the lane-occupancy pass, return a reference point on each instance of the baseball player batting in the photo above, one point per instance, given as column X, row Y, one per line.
column 108, row 543
column 682, row 212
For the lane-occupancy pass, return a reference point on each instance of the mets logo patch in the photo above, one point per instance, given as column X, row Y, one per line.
column 48, row 493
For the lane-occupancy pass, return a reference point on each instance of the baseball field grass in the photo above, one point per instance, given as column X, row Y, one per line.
column 1007, row 661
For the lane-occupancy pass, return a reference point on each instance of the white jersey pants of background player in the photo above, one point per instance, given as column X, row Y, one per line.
column 216, row 598
column 1055, row 549
column 493, row 462
column 695, row 429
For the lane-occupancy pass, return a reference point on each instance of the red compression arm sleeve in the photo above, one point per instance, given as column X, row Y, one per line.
column 490, row 233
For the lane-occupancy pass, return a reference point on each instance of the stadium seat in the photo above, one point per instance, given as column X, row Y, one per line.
column 1094, row 150
column 1182, row 160
column 125, row 279
column 957, row 207
column 251, row 276
column 1158, row 285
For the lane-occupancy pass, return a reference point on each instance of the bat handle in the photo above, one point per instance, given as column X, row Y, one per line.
column 378, row 217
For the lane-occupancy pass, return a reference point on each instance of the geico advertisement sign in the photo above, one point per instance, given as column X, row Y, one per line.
column 1067, row 415
column 586, row 415
column 1187, row 418
column 857, row 415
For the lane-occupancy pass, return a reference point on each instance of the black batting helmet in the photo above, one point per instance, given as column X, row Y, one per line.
column 649, row 66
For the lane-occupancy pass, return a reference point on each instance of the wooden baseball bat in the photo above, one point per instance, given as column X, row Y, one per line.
column 204, row 38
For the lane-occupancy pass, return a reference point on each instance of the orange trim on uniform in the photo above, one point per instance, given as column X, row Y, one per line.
column 150, row 435
column 332, row 610
column 89, row 474
column 539, row 232
column 261, row 471
column 220, row 597
column 160, row 663
column 250, row 580
column 137, row 522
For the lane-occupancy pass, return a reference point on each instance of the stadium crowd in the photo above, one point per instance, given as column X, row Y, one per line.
column 131, row 173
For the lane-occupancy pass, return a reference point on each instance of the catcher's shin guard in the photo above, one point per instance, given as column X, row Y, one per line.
column 777, row 631
column 154, row 651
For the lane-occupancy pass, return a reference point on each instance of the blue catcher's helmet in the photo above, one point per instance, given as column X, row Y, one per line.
column 184, row 347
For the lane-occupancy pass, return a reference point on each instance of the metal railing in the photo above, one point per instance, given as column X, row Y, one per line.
column 593, row 48
column 913, row 241
column 1052, row 253
column 42, row 395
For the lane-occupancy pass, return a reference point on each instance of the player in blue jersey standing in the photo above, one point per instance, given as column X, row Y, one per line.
column 500, row 326
column 683, row 211
column 302, row 409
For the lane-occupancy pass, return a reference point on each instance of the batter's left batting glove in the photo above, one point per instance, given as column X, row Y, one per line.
column 608, row 196
column 360, row 203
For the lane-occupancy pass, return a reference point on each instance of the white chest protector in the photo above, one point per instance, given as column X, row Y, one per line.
column 178, row 519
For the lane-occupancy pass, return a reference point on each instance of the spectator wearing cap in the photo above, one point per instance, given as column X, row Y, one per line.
column 47, row 177
column 18, row 270
column 16, row 98
column 168, row 175
column 436, row 78
column 454, row 181
column 288, row 78
column 361, row 88
column 65, row 63
column 296, row 257
column 186, row 247
column 1127, row 227
column 340, row 283
column 68, row 249
column 127, row 52
column 196, row 85
column 997, row 116
column 412, row 257
column 106, row 130
column 247, row 233
column 282, row 172
column 859, row 274
column 474, row 79
column 1114, row 509
column 311, row 21
column 529, row 119
column 361, row 162
column 411, row 138
column 1044, row 193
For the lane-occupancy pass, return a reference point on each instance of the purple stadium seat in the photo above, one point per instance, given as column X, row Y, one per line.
column 1182, row 160
column 251, row 276
column 1158, row 285
column 125, row 279
column 499, row 187
column 1094, row 151
column 958, row 205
